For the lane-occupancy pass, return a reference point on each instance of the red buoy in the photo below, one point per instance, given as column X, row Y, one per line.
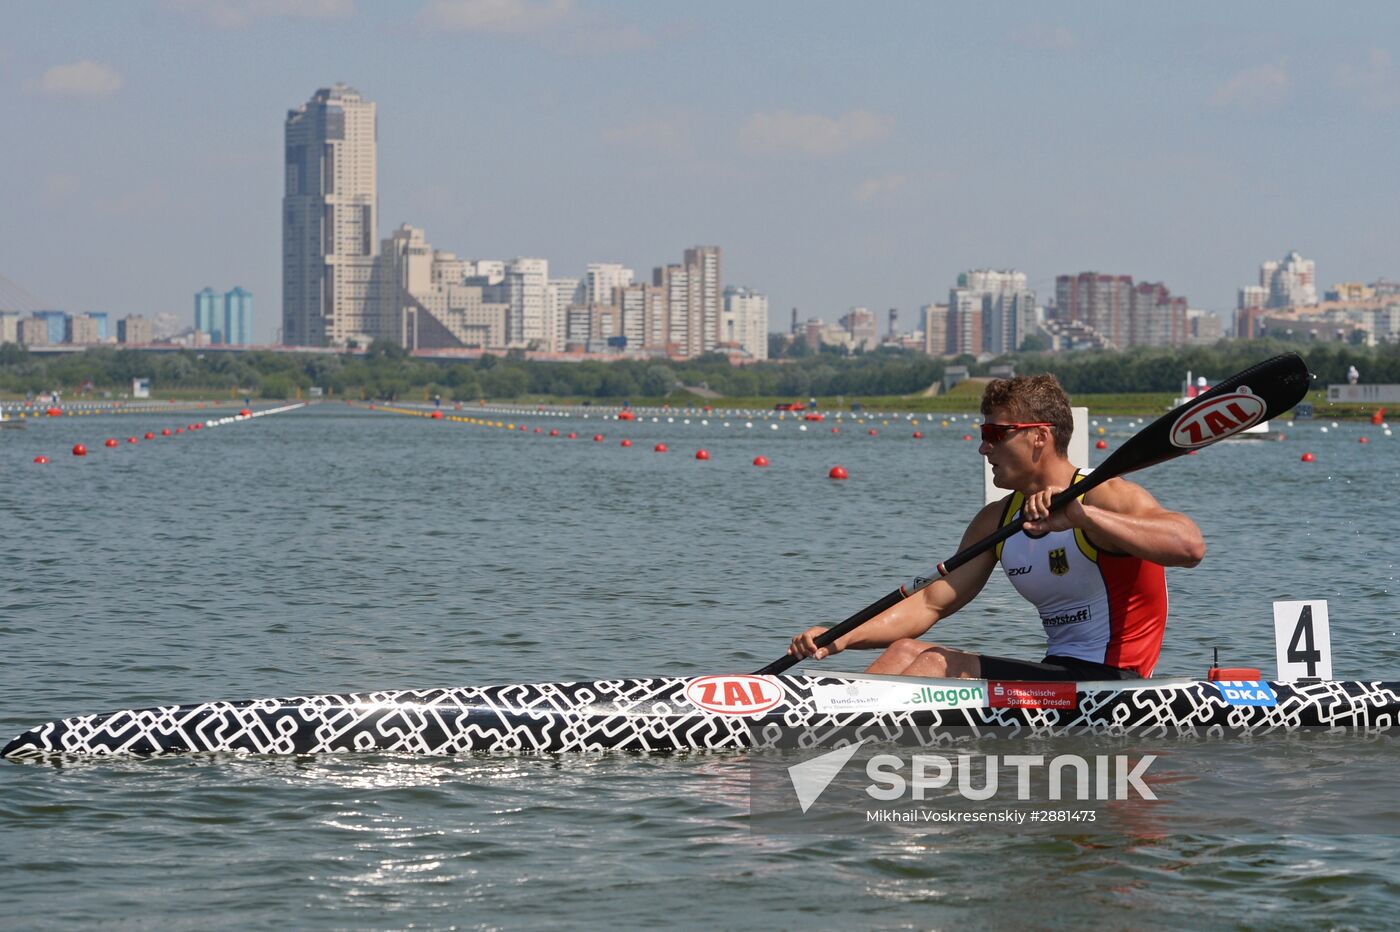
column 626, row 415
column 1101, row 445
column 837, row 472
column 437, row 415
column 79, row 450
column 110, row 442
column 150, row 435
column 597, row 438
column 871, row 432
column 760, row 460
column 660, row 448
column 554, row 432
column 1308, row 458
column 626, row 443
column 918, row 435
column 130, row 439
column 246, row 413
column 166, row 432
column 836, row 430
column 54, row 412
column 573, row 436
column 179, row 430
column 702, row 454
column 1364, row 440
column 967, row 436
column 41, row 460
column 537, row 430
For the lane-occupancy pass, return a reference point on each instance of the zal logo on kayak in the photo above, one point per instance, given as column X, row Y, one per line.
column 1223, row 416
column 734, row 695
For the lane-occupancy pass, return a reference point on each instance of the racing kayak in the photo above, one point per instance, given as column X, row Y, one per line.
column 710, row 713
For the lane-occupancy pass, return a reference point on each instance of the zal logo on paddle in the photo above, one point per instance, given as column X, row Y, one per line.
column 734, row 695
column 1219, row 418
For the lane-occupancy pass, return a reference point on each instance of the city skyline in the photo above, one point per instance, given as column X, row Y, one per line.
column 841, row 163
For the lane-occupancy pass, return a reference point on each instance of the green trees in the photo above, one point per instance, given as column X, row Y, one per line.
column 386, row 371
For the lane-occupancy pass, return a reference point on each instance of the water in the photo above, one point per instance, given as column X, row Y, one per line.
column 331, row 549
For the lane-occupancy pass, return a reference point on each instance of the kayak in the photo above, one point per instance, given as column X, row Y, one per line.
column 716, row 712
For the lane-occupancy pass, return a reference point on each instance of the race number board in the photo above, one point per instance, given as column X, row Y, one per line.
column 1302, row 641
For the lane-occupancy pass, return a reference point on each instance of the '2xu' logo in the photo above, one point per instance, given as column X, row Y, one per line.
column 1220, row 417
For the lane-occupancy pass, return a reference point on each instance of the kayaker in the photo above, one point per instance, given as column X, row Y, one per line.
column 1093, row 570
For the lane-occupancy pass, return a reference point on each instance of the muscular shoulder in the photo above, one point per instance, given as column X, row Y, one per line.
column 1122, row 496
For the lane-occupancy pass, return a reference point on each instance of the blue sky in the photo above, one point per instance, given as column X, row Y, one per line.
column 842, row 154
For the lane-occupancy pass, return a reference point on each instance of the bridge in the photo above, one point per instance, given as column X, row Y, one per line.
column 16, row 299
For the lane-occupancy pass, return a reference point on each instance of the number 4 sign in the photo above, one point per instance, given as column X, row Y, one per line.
column 1302, row 641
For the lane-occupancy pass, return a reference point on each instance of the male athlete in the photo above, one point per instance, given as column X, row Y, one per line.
column 1093, row 570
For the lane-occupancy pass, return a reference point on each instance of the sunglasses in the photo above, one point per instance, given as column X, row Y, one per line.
column 996, row 433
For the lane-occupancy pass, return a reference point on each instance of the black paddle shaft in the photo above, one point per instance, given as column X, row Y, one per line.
column 1257, row 394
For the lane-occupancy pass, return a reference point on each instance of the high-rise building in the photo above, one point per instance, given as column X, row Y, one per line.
column 34, row 331
column 209, row 315
column 860, row 324
column 1291, row 282
column 329, row 217
column 745, row 321
column 238, row 316
column 1155, row 317
column 560, row 295
column 428, row 300
column 935, row 329
column 81, row 329
column 601, row 279
column 134, row 329
column 644, row 318
column 989, row 311
column 9, row 326
column 522, row 289
column 1100, row 302
column 707, row 298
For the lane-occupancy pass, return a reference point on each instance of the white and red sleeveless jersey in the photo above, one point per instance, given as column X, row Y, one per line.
column 1097, row 606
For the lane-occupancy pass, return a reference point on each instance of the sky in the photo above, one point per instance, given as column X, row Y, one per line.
column 841, row 154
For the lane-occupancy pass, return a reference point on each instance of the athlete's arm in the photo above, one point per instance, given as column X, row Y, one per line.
column 1122, row 516
column 922, row 610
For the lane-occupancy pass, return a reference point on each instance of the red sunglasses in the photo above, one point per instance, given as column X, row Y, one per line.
column 996, row 433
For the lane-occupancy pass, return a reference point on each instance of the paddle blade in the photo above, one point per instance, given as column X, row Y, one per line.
column 1257, row 394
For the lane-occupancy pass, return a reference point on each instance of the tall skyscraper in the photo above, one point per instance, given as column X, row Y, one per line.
column 329, row 218
column 707, row 298
column 238, row 316
column 209, row 314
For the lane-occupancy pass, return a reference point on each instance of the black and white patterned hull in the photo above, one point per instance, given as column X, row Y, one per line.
column 712, row 712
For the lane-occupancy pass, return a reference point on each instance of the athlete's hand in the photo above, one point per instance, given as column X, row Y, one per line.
column 1041, row 520
column 805, row 645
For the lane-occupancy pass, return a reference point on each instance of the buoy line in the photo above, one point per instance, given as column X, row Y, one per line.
column 245, row 414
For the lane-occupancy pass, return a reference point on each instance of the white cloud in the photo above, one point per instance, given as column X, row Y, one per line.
column 812, row 134
column 1045, row 38
column 1372, row 80
column 237, row 14
column 1259, row 88
column 88, row 79
column 876, row 189
column 512, row 16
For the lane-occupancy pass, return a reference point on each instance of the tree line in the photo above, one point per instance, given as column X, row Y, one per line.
column 387, row 371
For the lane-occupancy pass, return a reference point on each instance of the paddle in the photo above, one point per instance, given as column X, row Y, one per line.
column 1257, row 394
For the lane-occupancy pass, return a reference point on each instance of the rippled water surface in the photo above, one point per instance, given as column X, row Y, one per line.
column 331, row 549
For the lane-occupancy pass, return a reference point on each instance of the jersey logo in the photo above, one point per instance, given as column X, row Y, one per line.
column 1059, row 563
column 1017, row 570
